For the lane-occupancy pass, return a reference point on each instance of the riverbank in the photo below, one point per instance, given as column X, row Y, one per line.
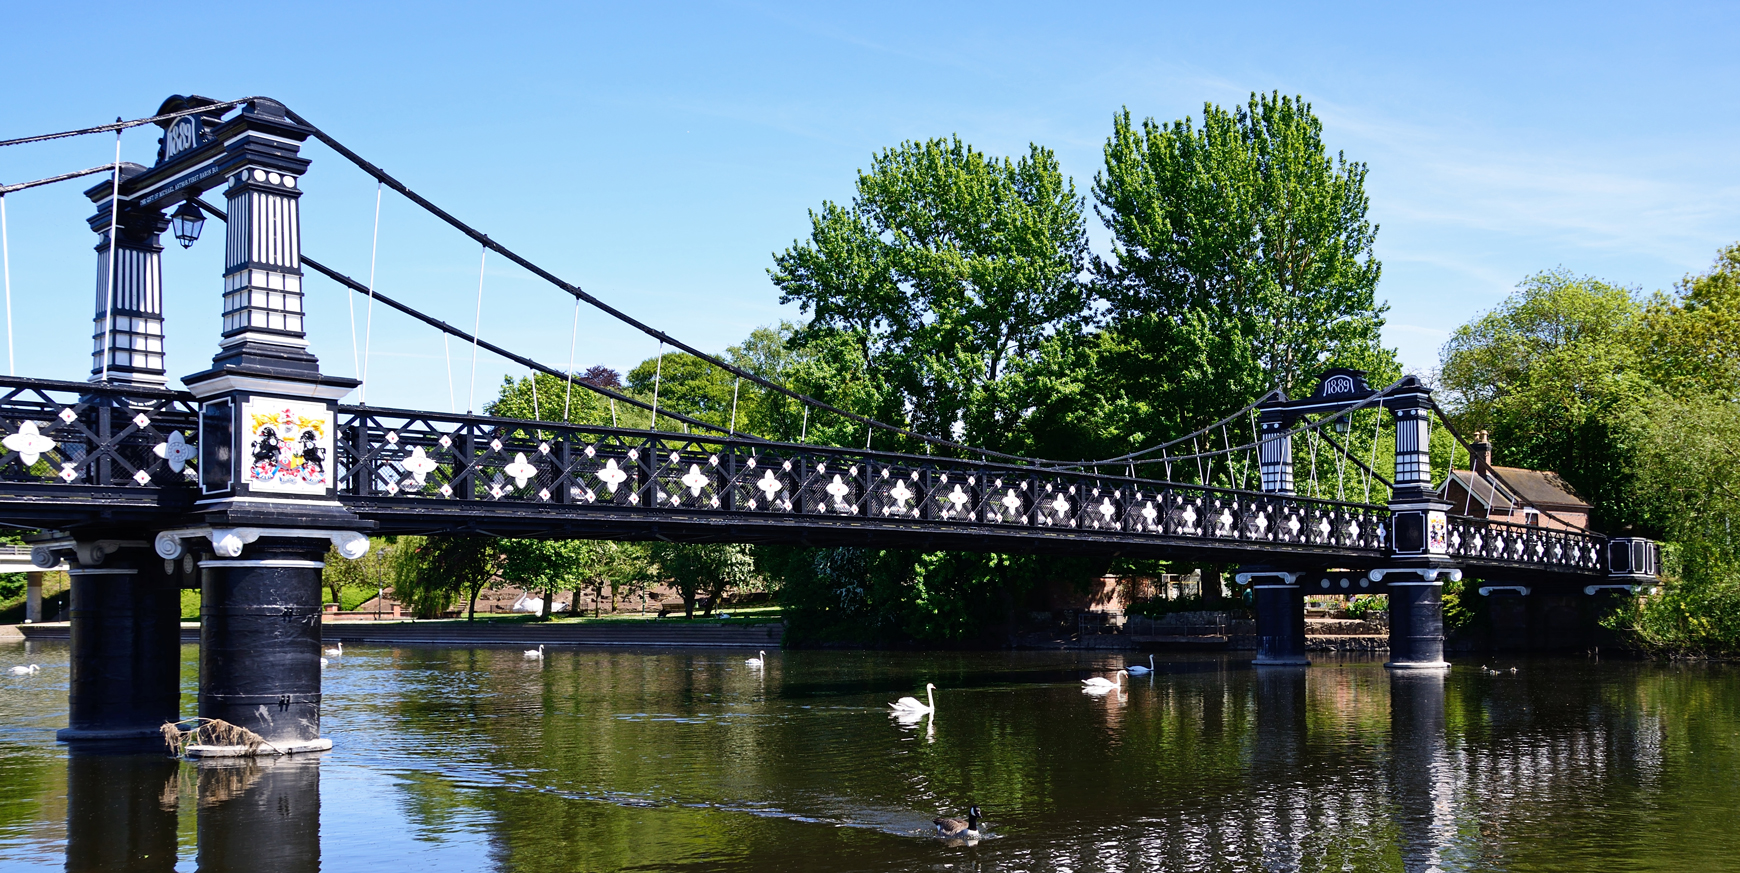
column 458, row 632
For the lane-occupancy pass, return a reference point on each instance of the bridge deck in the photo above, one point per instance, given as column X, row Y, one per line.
column 87, row 456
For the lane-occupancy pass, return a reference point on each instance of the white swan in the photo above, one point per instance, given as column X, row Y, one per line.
column 914, row 705
column 536, row 654
column 322, row 662
column 1138, row 669
column 25, row 671
column 337, row 651
column 759, row 660
column 1099, row 685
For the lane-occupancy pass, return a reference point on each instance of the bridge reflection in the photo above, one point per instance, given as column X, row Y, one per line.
column 654, row 760
column 259, row 815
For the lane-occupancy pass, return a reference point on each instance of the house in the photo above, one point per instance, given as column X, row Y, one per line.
column 1514, row 494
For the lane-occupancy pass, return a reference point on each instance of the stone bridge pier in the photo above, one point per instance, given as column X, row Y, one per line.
column 126, row 638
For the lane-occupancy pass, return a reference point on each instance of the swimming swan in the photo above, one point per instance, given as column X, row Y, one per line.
column 759, row 660
column 1098, row 685
column 914, row 705
column 536, row 654
column 337, row 652
column 1138, row 669
column 25, row 671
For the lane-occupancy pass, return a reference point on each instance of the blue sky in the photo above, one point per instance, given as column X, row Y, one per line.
column 659, row 158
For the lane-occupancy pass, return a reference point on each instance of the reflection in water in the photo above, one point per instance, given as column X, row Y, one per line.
column 120, row 812
column 476, row 759
column 260, row 814
column 1420, row 778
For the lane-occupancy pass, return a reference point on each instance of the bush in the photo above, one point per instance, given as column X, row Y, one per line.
column 1364, row 605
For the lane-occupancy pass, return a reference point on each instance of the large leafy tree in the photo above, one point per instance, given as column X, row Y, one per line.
column 710, row 568
column 1554, row 373
column 548, row 566
column 944, row 279
column 1242, row 260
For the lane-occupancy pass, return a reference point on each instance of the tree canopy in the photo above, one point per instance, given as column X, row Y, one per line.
column 1241, row 260
column 945, row 278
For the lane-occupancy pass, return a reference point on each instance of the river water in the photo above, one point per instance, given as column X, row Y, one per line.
column 480, row 759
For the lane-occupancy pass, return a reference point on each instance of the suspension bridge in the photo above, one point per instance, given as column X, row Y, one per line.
column 238, row 484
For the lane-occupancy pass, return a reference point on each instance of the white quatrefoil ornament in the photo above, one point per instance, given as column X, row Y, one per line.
column 419, row 465
column 520, row 470
column 769, row 485
column 612, row 475
column 175, row 450
column 28, row 443
column 696, row 480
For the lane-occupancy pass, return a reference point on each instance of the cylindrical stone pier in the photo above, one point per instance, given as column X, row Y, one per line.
column 33, row 597
column 126, row 651
column 259, row 656
column 1416, row 623
column 1280, row 622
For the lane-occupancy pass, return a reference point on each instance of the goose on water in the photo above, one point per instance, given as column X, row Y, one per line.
column 954, row 827
column 22, row 670
column 914, row 705
column 760, row 659
column 536, row 654
column 1138, row 669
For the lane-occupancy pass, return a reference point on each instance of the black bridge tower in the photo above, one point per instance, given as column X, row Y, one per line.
column 1418, row 562
column 256, row 536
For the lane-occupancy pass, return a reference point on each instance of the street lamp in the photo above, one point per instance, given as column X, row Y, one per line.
column 187, row 223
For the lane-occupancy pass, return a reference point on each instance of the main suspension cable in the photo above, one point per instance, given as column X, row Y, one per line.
column 483, row 239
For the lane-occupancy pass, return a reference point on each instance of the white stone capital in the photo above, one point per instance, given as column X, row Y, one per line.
column 228, row 542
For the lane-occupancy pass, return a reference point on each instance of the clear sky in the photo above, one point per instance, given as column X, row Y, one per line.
column 659, row 158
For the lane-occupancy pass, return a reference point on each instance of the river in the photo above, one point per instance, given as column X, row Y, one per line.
column 482, row 759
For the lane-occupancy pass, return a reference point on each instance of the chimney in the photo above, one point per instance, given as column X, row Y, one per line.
column 1481, row 450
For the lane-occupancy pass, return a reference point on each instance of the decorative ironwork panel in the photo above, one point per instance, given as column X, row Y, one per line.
column 75, row 433
column 1524, row 545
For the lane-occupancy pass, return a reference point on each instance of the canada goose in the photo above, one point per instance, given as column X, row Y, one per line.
column 1099, row 685
column 336, row 651
column 914, row 705
column 759, row 659
column 536, row 654
column 25, row 671
column 954, row 827
column 1138, row 669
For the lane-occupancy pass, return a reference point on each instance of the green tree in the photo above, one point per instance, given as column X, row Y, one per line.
column 1553, row 373
column 711, row 568
column 545, row 398
column 1242, row 260
column 1692, row 340
column 459, row 564
column 625, row 568
column 945, row 278
column 684, row 384
column 547, row 566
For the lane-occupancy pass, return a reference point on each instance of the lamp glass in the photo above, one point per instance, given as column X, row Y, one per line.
column 186, row 223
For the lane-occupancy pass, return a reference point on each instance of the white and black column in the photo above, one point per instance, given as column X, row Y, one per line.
column 127, row 329
column 262, row 302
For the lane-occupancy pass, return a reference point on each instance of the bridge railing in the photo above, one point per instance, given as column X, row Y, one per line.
column 407, row 455
column 1525, row 545
column 81, row 434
